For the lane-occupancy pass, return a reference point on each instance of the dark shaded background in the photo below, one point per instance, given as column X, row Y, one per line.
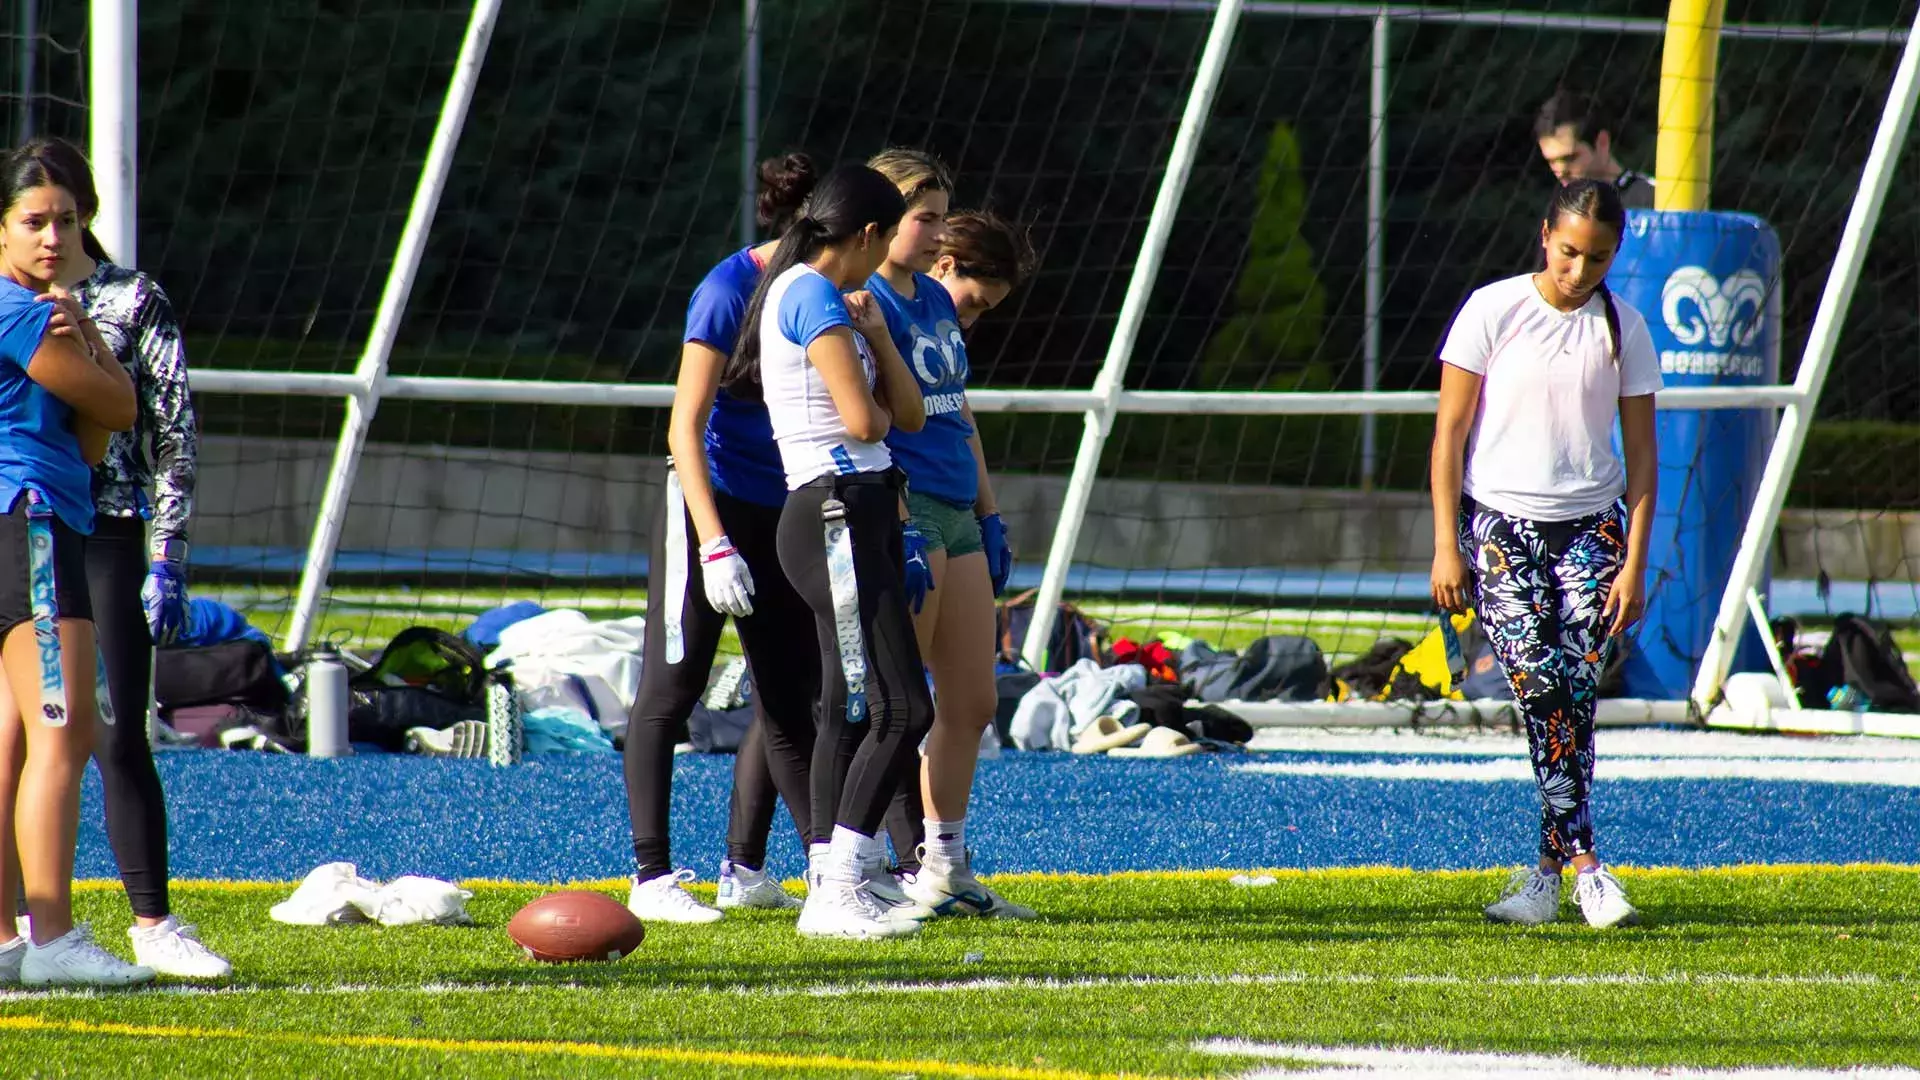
column 281, row 140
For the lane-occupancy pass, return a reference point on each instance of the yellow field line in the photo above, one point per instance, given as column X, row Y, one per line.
column 1344, row 873
column 518, row 1047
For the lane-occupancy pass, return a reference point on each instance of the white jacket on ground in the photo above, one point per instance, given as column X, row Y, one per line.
column 1053, row 713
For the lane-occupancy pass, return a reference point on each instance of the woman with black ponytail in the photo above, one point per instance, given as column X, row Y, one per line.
column 835, row 385
column 713, row 557
column 1527, row 487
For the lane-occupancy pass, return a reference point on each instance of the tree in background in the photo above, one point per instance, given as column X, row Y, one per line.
column 1279, row 305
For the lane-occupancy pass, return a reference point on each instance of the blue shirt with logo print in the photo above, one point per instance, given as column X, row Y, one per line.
column 926, row 329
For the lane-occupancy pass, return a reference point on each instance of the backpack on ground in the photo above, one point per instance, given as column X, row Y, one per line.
column 1075, row 637
column 1862, row 654
column 1206, row 672
column 1279, row 667
column 425, row 677
column 1367, row 677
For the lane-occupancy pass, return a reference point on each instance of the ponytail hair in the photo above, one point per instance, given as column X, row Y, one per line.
column 47, row 161
column 845, row 202
column 1600, row 203
column 1613, row 322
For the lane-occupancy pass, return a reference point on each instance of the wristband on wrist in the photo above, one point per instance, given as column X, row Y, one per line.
column 716, row 549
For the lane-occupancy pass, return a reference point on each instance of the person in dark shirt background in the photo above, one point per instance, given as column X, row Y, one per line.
column 1576, row 139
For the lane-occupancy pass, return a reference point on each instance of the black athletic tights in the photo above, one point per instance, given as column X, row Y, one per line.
column 899, row 709
column 778, row 641
column 117, row 565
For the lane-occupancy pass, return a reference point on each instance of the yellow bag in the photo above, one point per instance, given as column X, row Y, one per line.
column 1428, row 660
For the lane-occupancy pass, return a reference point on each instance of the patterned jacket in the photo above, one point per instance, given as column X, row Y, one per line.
column 137, row 320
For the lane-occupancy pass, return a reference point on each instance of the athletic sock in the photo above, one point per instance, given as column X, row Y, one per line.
column 846, row 852
column 946, row 842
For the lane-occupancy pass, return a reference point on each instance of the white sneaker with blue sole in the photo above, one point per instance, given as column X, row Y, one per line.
column 744, row 887
column 953, row 890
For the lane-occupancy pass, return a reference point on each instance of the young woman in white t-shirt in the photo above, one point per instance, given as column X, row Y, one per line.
column 834, row 385
column 1528, row 523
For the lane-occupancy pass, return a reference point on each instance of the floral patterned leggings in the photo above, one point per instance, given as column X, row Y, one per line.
column 1542, row 588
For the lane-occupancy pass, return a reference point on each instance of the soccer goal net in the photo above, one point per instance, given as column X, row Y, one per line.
column 1355, row 174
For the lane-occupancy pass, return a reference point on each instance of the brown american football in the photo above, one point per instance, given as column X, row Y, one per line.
column 567, row 927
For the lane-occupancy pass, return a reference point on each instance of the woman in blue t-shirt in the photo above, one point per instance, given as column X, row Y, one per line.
column 713, row 557
column 958, row 556
column 62, row 395
column 137, row 584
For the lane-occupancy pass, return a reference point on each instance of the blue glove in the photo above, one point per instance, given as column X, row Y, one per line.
column 164, row 597
column 919, row 574
column 993, row 537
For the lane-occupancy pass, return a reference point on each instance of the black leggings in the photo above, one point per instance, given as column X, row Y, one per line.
column 778, row 641
column 878, row 747
column 906, row 821
column 136, row 808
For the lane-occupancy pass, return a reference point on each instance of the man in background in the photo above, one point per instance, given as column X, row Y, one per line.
column 1576, row 139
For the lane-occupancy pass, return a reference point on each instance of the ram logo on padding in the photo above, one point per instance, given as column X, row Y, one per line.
column 1700, row 308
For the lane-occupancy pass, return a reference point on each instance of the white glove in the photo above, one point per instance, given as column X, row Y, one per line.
column 724, row 573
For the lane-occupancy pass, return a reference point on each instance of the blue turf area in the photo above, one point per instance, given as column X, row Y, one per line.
column 244, row 815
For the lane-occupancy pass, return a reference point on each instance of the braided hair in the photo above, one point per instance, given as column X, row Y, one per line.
column 1598, row 202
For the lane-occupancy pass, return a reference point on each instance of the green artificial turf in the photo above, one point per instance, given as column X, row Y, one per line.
column 1128, row 974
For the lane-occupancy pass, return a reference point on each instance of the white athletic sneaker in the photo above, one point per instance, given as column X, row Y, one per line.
column 839, row 908
column 743, row 887
column 73, row 959
column 953, row 890
column 174, row 948
column 665, row 899
column 1602, row 900
column 10, row 956
column 1531, row 898
column 884, row 888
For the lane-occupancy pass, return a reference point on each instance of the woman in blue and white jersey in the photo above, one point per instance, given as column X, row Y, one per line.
column 714, row 557
column 834, row 387
column 958, row 555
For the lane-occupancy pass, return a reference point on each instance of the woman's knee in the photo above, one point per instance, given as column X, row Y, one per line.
column 967, row 711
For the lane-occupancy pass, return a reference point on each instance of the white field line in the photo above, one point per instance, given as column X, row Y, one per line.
column 1650, row 742
column 1347, row 1063
column 968, row 986
column 1500, row 770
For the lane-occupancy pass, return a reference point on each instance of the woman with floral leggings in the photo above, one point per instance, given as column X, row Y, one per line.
column 1528, row 487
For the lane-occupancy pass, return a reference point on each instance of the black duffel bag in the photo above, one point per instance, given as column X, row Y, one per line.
column 239, row 672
